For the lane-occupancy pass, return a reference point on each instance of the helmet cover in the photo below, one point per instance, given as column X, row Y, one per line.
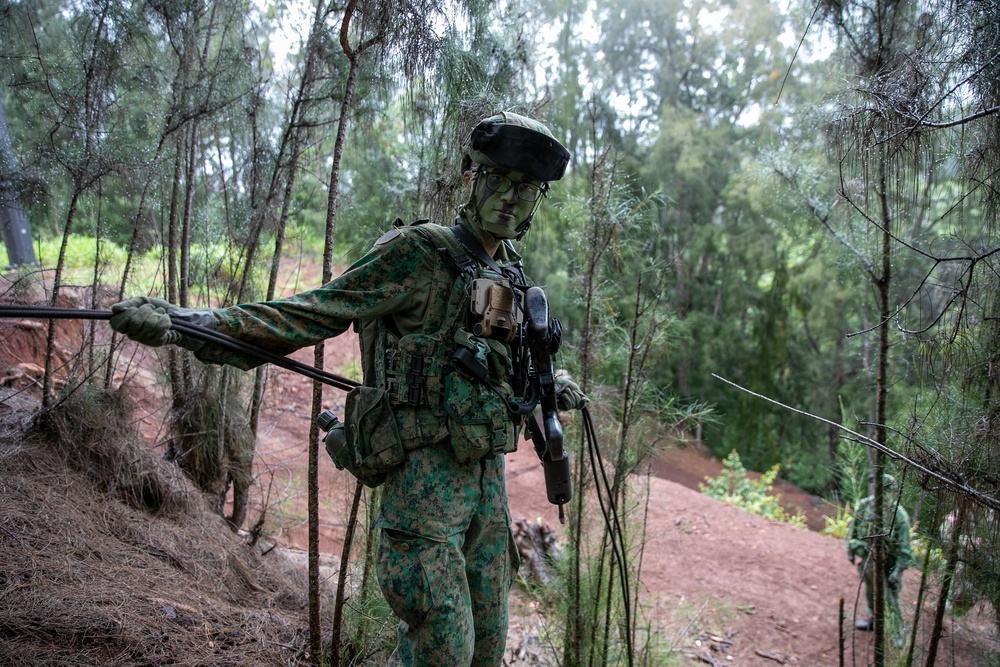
column 514, row 142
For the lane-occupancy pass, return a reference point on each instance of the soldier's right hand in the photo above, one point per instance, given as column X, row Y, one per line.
column 144, row 319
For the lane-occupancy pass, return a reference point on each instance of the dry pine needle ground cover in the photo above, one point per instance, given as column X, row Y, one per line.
column 108, row 556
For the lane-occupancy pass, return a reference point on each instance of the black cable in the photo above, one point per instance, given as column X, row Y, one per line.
column 613, row 524
column 194, row 331
column 236, row 345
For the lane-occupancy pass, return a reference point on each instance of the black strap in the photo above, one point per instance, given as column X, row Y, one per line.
column 474, row 246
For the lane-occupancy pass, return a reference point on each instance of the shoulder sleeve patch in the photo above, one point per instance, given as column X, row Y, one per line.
column 388, row 237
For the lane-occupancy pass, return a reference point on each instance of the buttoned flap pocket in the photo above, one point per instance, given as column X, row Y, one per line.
column 477, row 419
column 409, row 573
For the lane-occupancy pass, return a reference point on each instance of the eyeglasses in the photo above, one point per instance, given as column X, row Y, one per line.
column 527, row 191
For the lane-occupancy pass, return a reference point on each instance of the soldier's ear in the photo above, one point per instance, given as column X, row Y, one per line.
column 466, row 178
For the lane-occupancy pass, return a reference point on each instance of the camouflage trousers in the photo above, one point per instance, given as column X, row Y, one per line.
column 894, row 612
column 446, row 559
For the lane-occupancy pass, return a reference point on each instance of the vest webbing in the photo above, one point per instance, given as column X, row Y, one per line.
column 412, row 368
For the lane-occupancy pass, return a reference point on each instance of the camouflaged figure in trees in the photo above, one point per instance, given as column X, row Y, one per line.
column 898, row 556
column 446, row 558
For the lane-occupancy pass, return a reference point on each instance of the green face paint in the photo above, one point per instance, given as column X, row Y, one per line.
column 504, row 200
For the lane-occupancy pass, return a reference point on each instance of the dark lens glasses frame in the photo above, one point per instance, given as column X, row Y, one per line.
column 526, row 191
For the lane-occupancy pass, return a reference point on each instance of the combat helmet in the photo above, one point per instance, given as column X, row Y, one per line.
column 512, row 142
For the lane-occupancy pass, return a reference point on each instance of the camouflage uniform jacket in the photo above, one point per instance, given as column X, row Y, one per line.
column 407, row 284
column 899, row 553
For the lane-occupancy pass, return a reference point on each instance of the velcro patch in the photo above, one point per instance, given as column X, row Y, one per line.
column 389, row 236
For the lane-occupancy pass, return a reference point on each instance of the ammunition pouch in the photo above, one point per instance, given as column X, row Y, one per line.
column 414, row 382
column 372, row 444
column 477, row 419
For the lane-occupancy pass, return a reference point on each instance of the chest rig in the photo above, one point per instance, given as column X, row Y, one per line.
column 475, row 308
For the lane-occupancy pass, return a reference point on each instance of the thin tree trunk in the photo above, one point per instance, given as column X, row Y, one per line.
column 184, row 273
column 292, row 137
column 95, row 281
column 176, row 386
column 56, row 285
column 345, row 559
column 127, row 270
column 353, row 56
column 949, row 575
column 573, row 648
column 881, row 416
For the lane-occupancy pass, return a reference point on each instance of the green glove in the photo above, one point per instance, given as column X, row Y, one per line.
column 568, row 394
column 146, row 320
column 895, row 577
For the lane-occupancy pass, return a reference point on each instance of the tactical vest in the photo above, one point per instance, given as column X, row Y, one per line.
column 431, row 400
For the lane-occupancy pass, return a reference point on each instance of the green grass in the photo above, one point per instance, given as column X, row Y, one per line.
column 212, row 267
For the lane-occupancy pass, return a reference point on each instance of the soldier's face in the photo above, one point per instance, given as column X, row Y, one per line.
column 504, row 200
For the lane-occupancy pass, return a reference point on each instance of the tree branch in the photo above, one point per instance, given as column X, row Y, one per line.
column 955, row 484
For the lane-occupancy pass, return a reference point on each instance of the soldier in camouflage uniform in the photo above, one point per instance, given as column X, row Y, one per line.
column 898, row 556
column 446, row 559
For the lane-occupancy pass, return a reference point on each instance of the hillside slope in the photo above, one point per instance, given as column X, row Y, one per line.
column 97, row 570
column 137, row 571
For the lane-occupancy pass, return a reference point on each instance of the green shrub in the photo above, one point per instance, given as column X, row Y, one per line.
column 733, row 486
column 836, row 526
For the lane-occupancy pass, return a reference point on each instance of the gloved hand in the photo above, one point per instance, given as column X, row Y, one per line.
column 568, row 394
column 894, row 578
column 146, row 320
column 851, row 557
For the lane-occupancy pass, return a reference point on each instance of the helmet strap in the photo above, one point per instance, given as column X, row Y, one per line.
column 522, row 229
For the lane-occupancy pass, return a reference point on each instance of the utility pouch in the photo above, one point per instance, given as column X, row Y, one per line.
column 413, row 371
column 477, row 419
column 372, row 445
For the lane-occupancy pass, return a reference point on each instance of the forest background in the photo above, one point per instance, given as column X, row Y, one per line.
column 797, row 198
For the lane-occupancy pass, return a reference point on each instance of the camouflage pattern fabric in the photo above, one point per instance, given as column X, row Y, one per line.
column 399, row 278
column 898, row 552
column 446, row 558
column 393, row 279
